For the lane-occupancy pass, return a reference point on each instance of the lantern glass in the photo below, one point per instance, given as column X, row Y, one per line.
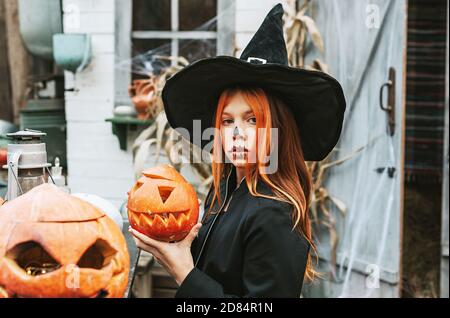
column 30, row 178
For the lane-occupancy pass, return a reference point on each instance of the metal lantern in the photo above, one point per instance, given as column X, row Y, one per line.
column 27, row 162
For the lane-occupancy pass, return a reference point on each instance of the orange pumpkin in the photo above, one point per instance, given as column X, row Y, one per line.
column 53, row 244
column 162, row 204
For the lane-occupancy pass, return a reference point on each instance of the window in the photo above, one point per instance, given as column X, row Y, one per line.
column 186, row 28
column 193, row 29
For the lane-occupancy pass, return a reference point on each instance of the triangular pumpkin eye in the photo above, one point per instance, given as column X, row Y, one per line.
column 164, row 192
column 97, row 256
column 33, row 258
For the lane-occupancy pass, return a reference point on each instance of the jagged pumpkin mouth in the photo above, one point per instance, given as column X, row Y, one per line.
column 165, row 217
column 103, row 293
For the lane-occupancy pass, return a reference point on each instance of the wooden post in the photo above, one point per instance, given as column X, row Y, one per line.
column 18, row 56
column 6, row 112
column 445, row 186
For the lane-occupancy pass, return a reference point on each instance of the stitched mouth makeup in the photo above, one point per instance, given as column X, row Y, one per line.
column 239, row 149
column 239, row 153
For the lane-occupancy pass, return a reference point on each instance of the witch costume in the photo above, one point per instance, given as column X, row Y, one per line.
column 250, row 250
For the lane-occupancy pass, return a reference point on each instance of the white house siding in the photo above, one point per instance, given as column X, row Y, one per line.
column 95, row 162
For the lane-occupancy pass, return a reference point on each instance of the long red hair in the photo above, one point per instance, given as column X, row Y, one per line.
column 291, row 182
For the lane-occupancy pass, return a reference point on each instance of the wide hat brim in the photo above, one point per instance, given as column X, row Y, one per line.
column 315, row 99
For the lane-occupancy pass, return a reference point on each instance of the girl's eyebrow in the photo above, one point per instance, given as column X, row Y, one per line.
column 228, row 114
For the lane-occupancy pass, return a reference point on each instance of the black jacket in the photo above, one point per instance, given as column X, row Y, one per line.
column 251, row 250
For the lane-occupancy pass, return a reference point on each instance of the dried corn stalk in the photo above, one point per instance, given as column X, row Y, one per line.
column 322, row 203
column 298, row 28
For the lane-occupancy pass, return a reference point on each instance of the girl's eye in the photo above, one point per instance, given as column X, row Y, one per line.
column 252, row 120
column 227, row 121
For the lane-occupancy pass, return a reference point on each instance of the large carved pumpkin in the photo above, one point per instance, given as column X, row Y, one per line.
column 162, row 204
column 53, row 244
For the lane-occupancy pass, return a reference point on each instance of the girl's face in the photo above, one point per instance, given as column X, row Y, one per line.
column 238, row 132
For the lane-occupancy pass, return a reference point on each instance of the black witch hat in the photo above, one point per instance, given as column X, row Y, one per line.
column 315, row 99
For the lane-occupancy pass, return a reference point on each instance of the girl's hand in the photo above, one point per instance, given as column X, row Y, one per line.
column 175, row 257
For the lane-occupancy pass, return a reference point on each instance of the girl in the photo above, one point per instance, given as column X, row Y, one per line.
column 255, row 239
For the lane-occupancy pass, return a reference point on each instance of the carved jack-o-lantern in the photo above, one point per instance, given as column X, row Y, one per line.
column 53, row 244
column 162, row 204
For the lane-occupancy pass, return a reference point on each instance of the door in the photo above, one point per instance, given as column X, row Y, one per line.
column 365, row 47
column 445, row 207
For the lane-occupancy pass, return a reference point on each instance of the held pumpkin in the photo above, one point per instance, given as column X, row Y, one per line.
column 53, row 244
column 163, row 205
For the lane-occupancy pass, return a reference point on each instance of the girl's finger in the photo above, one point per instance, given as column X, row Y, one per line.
column 192, row 234
column 148, row 248
column 147, row 240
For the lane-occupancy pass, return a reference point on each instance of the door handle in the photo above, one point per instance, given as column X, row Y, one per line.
column 390, row 108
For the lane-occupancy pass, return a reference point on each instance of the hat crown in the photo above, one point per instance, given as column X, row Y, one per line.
column 268, row 45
